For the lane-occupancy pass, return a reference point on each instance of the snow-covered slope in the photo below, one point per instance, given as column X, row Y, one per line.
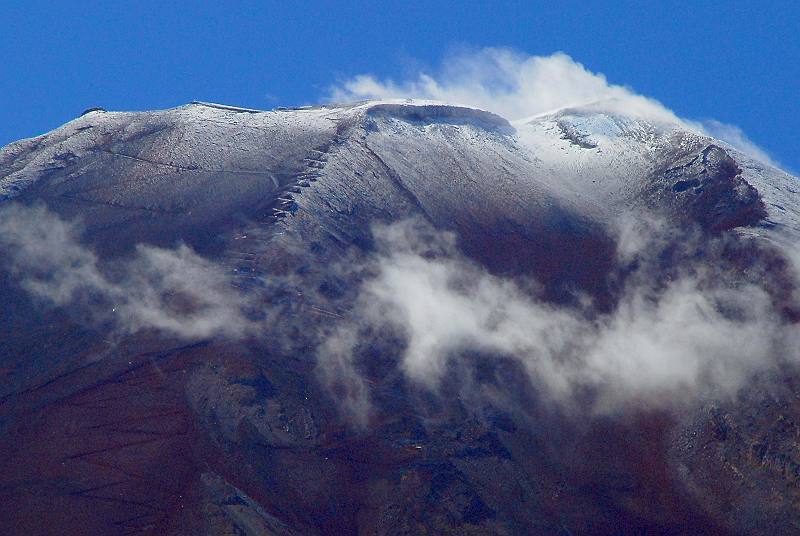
column 211, row 159
column 607, row 158
column 552, row 178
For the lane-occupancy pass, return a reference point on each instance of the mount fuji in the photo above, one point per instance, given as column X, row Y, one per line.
column 396, row 317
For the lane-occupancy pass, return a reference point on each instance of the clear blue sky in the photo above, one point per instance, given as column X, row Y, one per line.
column 737, row 62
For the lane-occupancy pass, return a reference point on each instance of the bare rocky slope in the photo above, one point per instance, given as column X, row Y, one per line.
column 147, row 430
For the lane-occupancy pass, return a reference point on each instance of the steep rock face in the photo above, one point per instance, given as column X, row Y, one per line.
column 739, row 457
column 710, row 191
column 146, row 432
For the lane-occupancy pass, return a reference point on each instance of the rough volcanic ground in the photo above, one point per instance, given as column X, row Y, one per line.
column 114, row 429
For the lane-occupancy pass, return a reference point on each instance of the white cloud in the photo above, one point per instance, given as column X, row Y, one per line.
column 510, row 84
column 337, row 370
column 517, row 86
column 659, row 347
column 174, row 291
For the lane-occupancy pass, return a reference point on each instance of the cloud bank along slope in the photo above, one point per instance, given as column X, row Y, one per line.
column 699, row 334
column 666, row 342
column 519, row 86
column 173, row 291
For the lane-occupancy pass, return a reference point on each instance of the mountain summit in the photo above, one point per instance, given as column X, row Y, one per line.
column 395, row 317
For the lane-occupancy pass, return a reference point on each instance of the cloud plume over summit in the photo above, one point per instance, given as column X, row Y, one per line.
column 508, row 83
column 517, row 86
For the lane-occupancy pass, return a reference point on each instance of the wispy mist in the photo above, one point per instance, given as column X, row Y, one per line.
column 174, row 291
column 510, row 84
column 666, row 342
column 517, row 86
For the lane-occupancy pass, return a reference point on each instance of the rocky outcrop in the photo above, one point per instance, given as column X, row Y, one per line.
column 708, row 189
